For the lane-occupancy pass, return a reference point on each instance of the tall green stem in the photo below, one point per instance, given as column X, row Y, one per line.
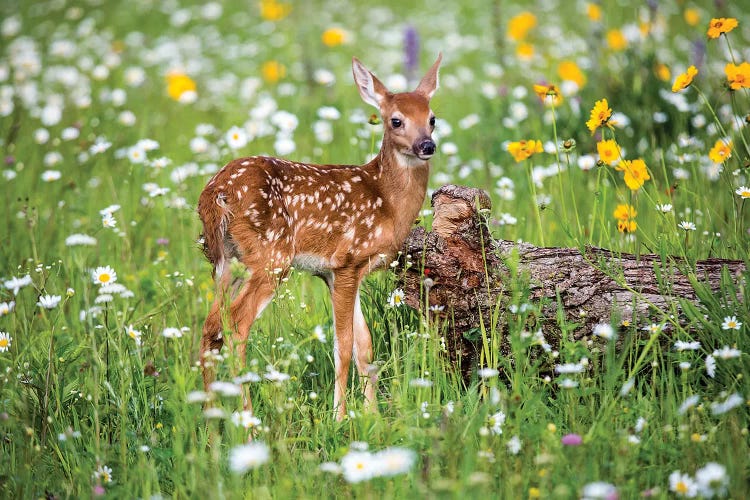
column 537, row 212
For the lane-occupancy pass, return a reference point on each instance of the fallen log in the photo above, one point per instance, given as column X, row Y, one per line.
column 471, row 281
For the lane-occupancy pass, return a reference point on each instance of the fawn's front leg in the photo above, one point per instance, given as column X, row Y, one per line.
column 363, row 356
column 344, row 291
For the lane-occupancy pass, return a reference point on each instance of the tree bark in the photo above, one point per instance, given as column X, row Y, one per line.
column 478, row 280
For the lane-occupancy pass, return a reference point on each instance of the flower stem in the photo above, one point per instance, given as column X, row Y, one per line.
column 532, row 186
column 557, row 156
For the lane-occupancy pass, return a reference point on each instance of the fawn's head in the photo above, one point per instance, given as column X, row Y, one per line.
column 407, row 117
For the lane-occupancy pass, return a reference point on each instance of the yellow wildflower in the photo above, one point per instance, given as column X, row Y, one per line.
column 609, row 151
column 616, row 40
column 522, row 150
column 525, row 51
column 549, row 94
column 273, row 71
column 684, row 80
column 636, row 173
column 568, row 70
column 738, row 76
column 180, row 87
column 594, row 11
column 721, row 151
column 334, row 36
column 662, row 72
column 625, row 215
column 627, row 226
column 625, row 212
column 520, row 25
column 600, row 115
column 271, row 10
column 692, row 16
column 721, row 25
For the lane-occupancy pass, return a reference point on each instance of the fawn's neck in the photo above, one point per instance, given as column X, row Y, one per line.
column 404, row 185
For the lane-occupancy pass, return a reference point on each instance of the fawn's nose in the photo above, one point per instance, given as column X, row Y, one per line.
column 426, row 148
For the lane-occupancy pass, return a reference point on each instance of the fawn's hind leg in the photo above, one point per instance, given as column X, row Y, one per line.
column 212, row 339
column 254, row 295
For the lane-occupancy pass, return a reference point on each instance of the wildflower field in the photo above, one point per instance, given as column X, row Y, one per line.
column 588, row 123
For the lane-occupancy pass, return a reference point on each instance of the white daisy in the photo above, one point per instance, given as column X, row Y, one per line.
column 604, row 330
column 319, row 334
column 358, row 466
column 16, row 284
column 514, row 445
column 599, row 489
column 245, row 419
column 136, row 155
column 248, row 456
column 109, row 221
column 134, row 334
column 664, row 208
column 49, row 301
column 682, row 345
column 495, row 422
column 51, row 175
column 103, row 473
column 276, row 376
column 682, row 484
column 80, row 239
column 171, row 332
column 236, row 138
column 688, row 403
column 393, row 461
column 727, row 352
column 6, row 307
column 712, row 480
column 397, row 298
column 710, row 363
column 5, row 341
column 731, row 323
column 487, row 372
column 224, row 388
column 103, row 275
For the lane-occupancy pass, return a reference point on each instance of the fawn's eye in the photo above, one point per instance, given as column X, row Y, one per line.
column 395, row 122
column 432, row 121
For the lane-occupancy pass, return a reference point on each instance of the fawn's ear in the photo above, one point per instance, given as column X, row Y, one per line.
column 372, row 91
column 429, row 83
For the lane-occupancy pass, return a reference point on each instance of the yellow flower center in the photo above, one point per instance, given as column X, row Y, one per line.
column 4, row 343
column 104, row 278
column 681, row 487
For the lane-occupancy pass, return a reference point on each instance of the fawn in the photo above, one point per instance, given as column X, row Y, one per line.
column 338, row 222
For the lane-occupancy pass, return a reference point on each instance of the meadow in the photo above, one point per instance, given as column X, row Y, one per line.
column 588, row 123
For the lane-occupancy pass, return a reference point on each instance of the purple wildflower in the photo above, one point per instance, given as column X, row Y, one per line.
column 572, row 440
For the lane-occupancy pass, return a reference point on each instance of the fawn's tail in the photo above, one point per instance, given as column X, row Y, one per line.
column 215, row 215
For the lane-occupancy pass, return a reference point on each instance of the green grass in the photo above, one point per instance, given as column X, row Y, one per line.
column 77, row 393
